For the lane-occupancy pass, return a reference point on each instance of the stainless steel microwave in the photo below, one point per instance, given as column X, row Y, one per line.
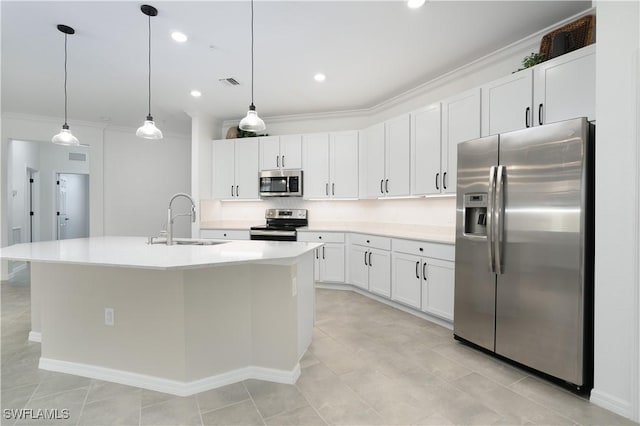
column 281, row 183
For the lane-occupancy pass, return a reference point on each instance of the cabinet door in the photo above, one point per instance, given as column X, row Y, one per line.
column 398, row 156
column 344, row 165
column 247, row 154
column 379, row 272
column 373, row 148
column 406, row 279
column 332, row 263
column 223, row 174
column 315, row 151
column 460, row 122
column 565, row 87
column 438, row 288
column 358, row 266
column 425, row 151
column 291, row 152
column 507, row 103
column 269, row 153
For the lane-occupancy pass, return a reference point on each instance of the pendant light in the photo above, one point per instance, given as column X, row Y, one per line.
column 149, row 130
column 65, row 137
column 252, row 123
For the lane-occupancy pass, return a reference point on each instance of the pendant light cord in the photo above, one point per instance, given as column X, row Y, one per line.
column 65, row 80
column 251, row 52
column 149, row 66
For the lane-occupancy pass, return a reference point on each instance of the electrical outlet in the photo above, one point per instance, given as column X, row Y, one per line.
column 109, row 316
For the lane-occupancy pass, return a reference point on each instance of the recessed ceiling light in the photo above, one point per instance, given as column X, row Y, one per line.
column 414, row 4
column 196, row 93
column 319, row 77
column 178, row 36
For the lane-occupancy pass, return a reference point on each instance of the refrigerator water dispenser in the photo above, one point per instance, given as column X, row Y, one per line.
column 475, row 214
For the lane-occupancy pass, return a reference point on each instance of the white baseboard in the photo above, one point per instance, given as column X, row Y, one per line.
column 348, row 287
column 35, row 336
column 611, row 403
column 173, row 387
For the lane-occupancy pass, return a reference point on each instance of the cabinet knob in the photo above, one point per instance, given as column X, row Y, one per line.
column 225, row 234
column 421, row 249
column 320, row 237
column 368, row 241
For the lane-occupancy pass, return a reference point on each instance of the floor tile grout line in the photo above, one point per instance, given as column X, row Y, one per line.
column 254, row 403
column 223, row 406
column 199, row 411
column 86, row 395
column 311, row 405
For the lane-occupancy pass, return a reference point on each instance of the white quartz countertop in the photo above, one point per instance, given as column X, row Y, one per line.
column 134, row 252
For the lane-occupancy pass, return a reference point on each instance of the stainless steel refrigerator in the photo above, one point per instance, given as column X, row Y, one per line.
column 524, row 248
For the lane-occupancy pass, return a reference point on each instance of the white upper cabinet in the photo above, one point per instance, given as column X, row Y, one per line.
column 281, row 152
column 564, row 87
column 507, row 103
column 387, row 151
column 235, row 169
column 460, row 122
column 425, row 151
column 330, row 165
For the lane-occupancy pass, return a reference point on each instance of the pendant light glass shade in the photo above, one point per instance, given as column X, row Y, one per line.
column 252, row 123
column 65, row 137
column 149, row 130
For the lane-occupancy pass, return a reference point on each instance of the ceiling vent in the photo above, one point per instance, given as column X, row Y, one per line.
column 77, row 156
column 229, row 81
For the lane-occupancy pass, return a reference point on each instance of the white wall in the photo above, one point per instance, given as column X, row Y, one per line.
column 617, row 208
column 140, row 176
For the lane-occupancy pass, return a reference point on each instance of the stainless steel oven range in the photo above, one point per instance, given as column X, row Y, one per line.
column 281, row 225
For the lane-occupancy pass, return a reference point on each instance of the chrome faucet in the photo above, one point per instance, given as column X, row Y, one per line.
column 171, row 217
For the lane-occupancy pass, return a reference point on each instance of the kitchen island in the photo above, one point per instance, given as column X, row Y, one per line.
column 178, row 319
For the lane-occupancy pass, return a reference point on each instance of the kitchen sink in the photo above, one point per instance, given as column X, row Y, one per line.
column 196, row 242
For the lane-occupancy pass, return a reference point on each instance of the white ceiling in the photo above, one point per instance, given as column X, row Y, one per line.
column 369, row 50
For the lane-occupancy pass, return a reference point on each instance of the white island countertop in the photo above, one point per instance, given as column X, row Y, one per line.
column 134, row 252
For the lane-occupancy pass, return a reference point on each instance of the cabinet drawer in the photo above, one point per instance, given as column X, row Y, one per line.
column 224, row 234
column 382, row 243
column 425, row 249
column 323, row 237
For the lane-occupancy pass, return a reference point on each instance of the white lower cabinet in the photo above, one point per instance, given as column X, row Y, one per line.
column 370, row 263
column 225, row 234
column 423, row 276
column 329, row 259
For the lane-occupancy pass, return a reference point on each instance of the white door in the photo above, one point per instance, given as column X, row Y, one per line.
column 425, row 151
column 269, row 153
column 565, row 87
column 291, row 152
column 438, row 288
column 73, row 205
column 344, row 165
column 380, row 272
column 406, row 279
column 332, row 263
column 246, row 165
column 398, row 156
column 373, row 149
column 315, row 151
column 507, row 103
column 359, row 266
column 460, row 122
column 223, row 173
column 33, row 205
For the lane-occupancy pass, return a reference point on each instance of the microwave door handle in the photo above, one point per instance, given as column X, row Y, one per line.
column 490, row 208
column 498, row 228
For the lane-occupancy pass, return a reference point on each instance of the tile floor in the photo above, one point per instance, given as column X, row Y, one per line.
column 369, row 364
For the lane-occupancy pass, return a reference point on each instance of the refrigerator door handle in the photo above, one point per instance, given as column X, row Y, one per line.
column 490, row 207
column 498, row 228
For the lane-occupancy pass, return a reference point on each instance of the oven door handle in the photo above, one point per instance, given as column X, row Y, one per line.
column 275, row 233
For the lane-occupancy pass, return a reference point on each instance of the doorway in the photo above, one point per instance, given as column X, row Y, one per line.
column 32, row 204
column 72, row 205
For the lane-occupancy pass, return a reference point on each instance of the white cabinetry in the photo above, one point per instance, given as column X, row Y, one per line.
column 281, row 152
column 225, row 234
column 559, row 89
column 370, row 263
column 235, row 169
column 330, row 164
column 425, row 151
column 329, row 259
column 387, row 158
column 423, row 276
column 564, row 87
column 460, row 122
